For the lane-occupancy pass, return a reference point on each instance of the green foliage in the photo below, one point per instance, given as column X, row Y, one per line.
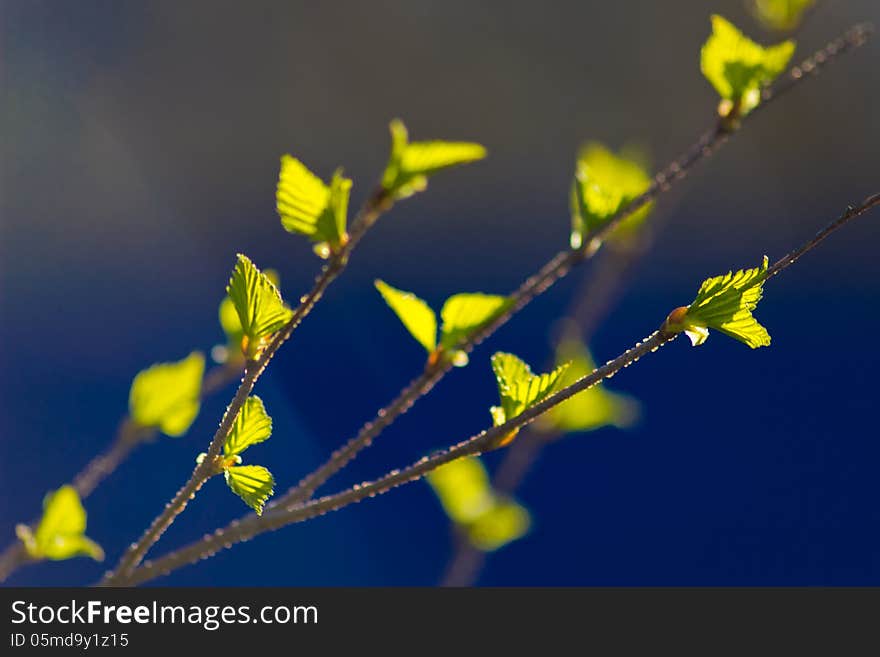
column 166, row 396
column 738, row 67
column 309, row 207
column 604, row 182
column 591, row 409
column 410, row 163
column 462, row 316
column 252, row 483
column 780, row 15
column 725, row 303
column 489, row 520
column 519, row 389
column 60, row 533
column 231, row 324
column 258, row 304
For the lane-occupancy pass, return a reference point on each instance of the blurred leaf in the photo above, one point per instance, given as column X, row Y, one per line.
column 60, row 532
column 725, row 303
column 411, row 163
column 738, row 67
column 592, row 409
column 604, row 182
column 780, row 15
column 252, row 483
column 259, row 306
column 309, row 207
column 467, row 497
column 519, row 389
column 166, row 396
column 465, row 314
column 252, row 426
column 416, row 315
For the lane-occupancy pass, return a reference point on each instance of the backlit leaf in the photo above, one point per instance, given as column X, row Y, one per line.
column 505, row 522
column 415, row 314
column 60, row 532
column 464, row 314
column 253, row 425
column 518, row 388
column 411, row 163
column 780, row 15
column 229, row 320
column 166, row 396
column 256, row 300
column 252, row 483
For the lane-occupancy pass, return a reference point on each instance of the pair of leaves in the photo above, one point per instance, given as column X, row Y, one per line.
column 410, row 163
column 519, row 389
column 780, row 15
column 604, row 182
column 252, row 483
column 592, row 409
column 489, row 520
column 738, row 67
column 462, row 315
column 309, row 207
column 725, row 303
column 166, row 396
column 60, row 533
column 258, row 304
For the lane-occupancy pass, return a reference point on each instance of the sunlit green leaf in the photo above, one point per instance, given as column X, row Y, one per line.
column 725, row 303
column 465, row 314
column 229, row 320
column 253, row 425
column 591, row 409
column 166, row 396
column 738, row 67
column 411, row 163
column 256, row 300
column 518, row 388
column 780, row 15
column 467, row 497
column 60, row 532
column 309, row 207
column 604, row 182
column 252, row 483
column 416, row 315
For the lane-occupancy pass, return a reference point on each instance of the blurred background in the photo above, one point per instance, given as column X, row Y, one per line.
column 140, row 146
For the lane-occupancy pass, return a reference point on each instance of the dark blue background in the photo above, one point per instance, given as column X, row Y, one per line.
column 140, row 154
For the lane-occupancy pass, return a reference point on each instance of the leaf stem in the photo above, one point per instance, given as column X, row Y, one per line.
column 373, row 208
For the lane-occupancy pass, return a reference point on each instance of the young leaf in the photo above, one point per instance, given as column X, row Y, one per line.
column 60, row 532
column 603, row 183
column 591, row 409
column 519, row 389
column 467, row 497
column 465, row 314
column 411, row 163
column 309, row 207
column 166, row 396
column 252, row 483
column 780, row 15
column 725, row 303
column 738, row 67
column 231, row 324
column 416, row 315
column 259, row 306
column 252, row 426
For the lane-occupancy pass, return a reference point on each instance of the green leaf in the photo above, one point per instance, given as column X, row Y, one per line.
column 518, row 388
column 592, row 409
column 229, row 320
column 411, row 163
column 725, row 303
column 252, row 483
column 780, row 15
column 466, row 495
column 604, row 182
column 167, row 395
column 738, row 67
column 465, row 314
column 416, row 315
column 259, row 306
column 252, row 426
column 60, row 532
column 309, row 207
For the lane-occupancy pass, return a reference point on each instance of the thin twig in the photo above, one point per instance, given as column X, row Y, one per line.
column 564, row 261
column 252, row 525
column 376, row 204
